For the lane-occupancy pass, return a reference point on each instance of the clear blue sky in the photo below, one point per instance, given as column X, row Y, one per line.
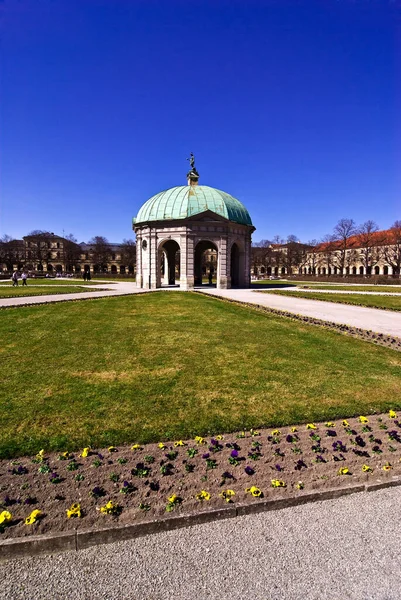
column 294, row 107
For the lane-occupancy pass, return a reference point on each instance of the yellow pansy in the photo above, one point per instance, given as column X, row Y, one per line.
column 179, row 443
column 219, row 437
column 294, row 429
column 363, row 419
column 203, row 495
column 311, row 426
column 85, row 452
column 200, row 440
column 172, row 499
column 255, row 491
column 138, row 446
column 110, row 508
column 366, row 469
column 392, row 414
column 387, row 467
column 33, row 517
column 40, row 455
column 330, row 424
column 160, row 444
column 74, row 511
column 227, row 495
column 345, row 423
column 276, row 432
column 277, row 483
column 5, row 517
column 343, row 471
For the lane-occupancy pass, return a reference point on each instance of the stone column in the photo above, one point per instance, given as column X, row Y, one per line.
column 165, row 260
column 187, row 275
column 223, row 267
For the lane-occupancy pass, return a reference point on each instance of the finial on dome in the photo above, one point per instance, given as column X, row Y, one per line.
column 192, row 175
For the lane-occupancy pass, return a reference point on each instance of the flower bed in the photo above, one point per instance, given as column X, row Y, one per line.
column 92, row 489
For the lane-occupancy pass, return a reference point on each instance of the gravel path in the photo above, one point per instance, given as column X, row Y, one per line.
column 374, row 319
column 116, row 289
column 348, row 548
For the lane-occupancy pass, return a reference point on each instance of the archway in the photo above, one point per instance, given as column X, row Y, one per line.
column 235, row 266
column 377, row 270
column 169, row 262
column 360, row 270
column 205, row 262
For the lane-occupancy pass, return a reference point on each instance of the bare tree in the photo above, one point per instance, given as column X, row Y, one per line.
column 71, row 252
column 11, row 251
column 343, row 231
column 38, row 247
column 128, row 253
column 370, row 245
column 392, row 250
column 100, row 251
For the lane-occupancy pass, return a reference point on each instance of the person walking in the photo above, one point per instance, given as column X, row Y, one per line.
column 24, row 277
column 15, row 278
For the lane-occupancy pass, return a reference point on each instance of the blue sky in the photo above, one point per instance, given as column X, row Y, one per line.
column 294, row 107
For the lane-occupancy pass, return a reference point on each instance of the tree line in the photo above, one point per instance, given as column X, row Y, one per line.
column 348, row 243
column 42, row 247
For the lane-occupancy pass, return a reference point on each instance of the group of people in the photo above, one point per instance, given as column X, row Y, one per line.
column 15, row 276
column 86, row 276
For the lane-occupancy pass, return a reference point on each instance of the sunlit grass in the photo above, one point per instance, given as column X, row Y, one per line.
column 172, row 365
column 33, row 290
column 383, row 302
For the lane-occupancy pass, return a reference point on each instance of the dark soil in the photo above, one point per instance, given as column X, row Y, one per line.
column 150, row 475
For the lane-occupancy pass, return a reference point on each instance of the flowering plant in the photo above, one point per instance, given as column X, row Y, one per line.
column 110, row 508
column 33, row 517
column 227, row 495
column 254, row 491
column 203, row 495
column 74, row 511
column 344, row 471
column 278, row 483
column 85, row 452
column 172, row 502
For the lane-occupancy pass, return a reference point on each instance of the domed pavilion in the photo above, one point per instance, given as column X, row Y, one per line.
column 176, row 227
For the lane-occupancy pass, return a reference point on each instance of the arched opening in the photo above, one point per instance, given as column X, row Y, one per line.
column 169, row 262
column 50, row 268
column 354, row 270
column 205, row 263
column 122, row 270
column 262, row 270
column 385, row 270
column 283, row 270
column 131, row 270
column 269, row 271
column 59, row 268
column 360, row 270
column 324, row 271
column 377, row 270
column 114, row 269
column 276, row 271
column 234, row 269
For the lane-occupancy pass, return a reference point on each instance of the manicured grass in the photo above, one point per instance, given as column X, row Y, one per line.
column 393, row 289
column 383, row 302
column 172, row 365
column 33, row 290
column 55, row 281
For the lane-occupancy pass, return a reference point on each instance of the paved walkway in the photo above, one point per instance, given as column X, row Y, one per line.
column 348, row 548
column 380, row 321
column 115, row 289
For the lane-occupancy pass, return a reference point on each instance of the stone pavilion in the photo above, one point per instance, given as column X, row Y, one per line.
column 175, row 227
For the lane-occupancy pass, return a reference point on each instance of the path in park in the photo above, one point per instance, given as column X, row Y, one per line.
column 380, row 321
column 348, row 548
column 115, row 289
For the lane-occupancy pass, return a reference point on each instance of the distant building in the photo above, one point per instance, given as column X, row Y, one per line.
column 357, row 256
column 50, row 253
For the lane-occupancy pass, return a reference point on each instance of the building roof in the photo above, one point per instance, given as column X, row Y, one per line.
column 188, row 200
column 377, row 238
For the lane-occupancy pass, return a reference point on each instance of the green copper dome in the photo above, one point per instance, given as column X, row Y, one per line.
column 188, row 200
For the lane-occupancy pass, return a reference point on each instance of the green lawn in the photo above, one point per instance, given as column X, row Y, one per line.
column 385, row 302
column 53, row 282
column 33, row 290
column 356, row 288
column 172, row 365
